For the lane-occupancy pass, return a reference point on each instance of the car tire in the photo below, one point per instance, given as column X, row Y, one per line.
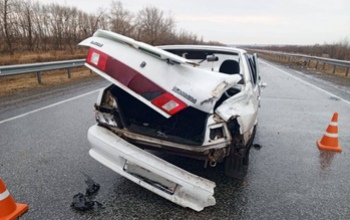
column 236, row 164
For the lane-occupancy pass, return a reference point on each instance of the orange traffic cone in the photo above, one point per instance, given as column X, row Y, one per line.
column 329, row 140
column 8, row 208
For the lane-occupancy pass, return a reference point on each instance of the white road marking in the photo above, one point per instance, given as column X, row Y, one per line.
column 48, row 106
column 305, row 82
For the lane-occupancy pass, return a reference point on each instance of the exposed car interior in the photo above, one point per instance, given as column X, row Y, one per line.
column 230, row 67
column 212, row 60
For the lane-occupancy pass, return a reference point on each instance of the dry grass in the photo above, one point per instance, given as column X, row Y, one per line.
column 24, row 82
column 297, row 62
column 41, row 56
column 21, row 83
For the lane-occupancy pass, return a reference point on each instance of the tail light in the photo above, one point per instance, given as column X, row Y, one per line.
column 97, row 59
column 134, row 81
column 169, row 103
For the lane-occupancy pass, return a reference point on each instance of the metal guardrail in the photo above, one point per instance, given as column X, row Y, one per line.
column 289, row 56
column 68, row 64
column 39, row 67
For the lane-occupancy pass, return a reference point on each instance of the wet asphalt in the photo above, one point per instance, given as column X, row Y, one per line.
column 44, row 157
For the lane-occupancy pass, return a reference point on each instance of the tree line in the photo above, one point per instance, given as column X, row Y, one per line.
column 27, row 25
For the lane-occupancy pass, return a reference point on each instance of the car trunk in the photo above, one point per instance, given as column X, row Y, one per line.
column 165, row 82
column 185, row 127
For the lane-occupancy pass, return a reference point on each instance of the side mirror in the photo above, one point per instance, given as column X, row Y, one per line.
column 263, row 85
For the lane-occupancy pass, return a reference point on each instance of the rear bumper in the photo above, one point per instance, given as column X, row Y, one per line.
column 149, row 171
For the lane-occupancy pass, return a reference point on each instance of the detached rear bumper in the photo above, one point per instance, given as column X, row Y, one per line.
column 149, row 171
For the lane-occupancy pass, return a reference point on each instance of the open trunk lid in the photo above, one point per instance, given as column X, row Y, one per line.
column 164, row 81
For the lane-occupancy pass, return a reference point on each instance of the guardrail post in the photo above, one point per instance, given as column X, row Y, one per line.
column 334, row 67
column 303, row 63
column 317, row 65
column 308, row 63
column 324, row 65
column 347, row 71
column 69, row 74
column 38, row 76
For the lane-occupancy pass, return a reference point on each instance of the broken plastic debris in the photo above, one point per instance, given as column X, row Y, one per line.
column 93, row 187
column 82, row 202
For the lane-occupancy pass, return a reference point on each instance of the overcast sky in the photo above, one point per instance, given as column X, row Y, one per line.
column 247, row 21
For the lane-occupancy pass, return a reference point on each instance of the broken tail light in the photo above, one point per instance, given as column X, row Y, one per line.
column 169, row 103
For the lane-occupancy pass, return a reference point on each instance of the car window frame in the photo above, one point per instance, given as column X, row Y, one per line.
column 252, row 69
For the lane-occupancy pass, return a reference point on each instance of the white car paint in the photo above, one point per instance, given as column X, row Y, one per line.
column 196, row 83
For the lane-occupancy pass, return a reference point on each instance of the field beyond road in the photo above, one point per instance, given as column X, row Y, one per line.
column 20, row 83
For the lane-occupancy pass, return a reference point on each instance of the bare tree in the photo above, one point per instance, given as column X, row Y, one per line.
column 342, row 49
column 5, row 11
column 96, row 20
column 71, row 29
column 153, row 27
column 120, row 20
column 34, row 26
column 185, row 37
column 41, row 26
column 55, row 17
column 24, row 23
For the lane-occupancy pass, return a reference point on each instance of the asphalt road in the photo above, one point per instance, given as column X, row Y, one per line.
column 44, row 156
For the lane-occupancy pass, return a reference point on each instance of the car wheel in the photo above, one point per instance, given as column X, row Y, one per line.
column 236, row 164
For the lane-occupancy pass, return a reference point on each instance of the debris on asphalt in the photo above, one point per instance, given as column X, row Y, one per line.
column 83, row 202
column 93, row 187
column 257, row 146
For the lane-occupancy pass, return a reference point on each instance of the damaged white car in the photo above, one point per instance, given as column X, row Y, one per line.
column 194, row 101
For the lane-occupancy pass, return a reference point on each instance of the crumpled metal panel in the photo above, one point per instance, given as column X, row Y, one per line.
column 183, row 188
